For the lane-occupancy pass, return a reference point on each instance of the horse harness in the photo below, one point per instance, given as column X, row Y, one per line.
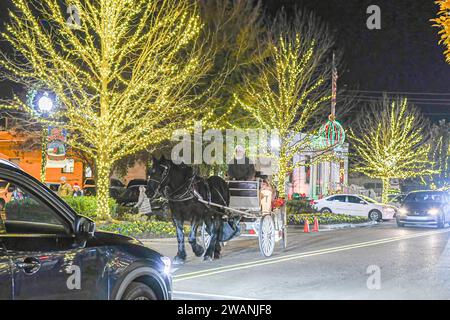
column 190, row 192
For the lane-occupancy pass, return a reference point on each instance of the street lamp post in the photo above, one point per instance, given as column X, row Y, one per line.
column 44, row 107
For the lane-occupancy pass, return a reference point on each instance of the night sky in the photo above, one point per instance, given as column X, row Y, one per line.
column 403, row 57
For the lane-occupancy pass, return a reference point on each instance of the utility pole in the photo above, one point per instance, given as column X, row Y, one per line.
column 334, row 78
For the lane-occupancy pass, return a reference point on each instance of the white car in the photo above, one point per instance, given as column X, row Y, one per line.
column 355, row 205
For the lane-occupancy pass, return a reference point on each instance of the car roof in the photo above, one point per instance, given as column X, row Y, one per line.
column 8, row 164
column 430, row 191
column 137, row 182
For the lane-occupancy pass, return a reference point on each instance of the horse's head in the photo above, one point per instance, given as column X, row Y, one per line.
column 158, row 176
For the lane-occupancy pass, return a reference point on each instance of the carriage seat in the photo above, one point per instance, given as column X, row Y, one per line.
column 244, row 195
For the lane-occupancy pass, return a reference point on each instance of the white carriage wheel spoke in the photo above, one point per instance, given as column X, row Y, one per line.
column 267, row 240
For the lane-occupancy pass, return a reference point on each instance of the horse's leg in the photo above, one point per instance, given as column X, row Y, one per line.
column 213, row 231
column 218, row 247
column 180, row 258
column 196, row 248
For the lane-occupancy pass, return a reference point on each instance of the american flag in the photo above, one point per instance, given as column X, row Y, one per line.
column 334, row 78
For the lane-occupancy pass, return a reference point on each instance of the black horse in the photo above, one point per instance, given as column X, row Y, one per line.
column 183, row 189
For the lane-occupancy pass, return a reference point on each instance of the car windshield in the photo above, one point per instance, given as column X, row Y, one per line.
column 425, row 197
column 370, row 200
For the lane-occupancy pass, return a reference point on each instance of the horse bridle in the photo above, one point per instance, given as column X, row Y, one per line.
column 164, row 176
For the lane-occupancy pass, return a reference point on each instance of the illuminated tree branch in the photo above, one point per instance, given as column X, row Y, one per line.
column 125, row 77
column 291, row 87
column 390, row 142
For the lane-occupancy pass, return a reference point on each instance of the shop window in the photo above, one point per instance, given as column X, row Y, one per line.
column 88, row 172
column 69, row 167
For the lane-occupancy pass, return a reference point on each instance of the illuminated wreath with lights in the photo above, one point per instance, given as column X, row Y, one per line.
column 331, row 134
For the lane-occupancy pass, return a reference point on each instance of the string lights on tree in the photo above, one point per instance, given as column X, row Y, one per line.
column 289, row 89
column 125, row 76
column 390, row 142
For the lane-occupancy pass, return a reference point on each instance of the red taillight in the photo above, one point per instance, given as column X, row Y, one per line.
column 251, row 231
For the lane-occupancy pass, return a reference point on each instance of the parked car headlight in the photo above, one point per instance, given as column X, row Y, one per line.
column 167, row 265
column 433, row 211
column 403, row 211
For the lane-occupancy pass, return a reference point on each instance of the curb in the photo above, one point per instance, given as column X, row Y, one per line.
column 325, row 227
column 157, row 239
column 329, row 227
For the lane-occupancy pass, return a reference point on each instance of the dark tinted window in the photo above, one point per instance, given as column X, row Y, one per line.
column 20, row 206
column 116, row 183
column 90, row 182
column 337, row 198
column 353, row 199
column 425, row 197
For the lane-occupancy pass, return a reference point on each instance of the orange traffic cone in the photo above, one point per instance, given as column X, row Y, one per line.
column 306, row 227
column 316, row 225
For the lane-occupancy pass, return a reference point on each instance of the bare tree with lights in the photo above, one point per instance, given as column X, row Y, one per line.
column 390, row 141
column 290, row 90
column 125, row 72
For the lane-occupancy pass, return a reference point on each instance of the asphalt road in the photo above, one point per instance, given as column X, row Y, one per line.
column 376, row 262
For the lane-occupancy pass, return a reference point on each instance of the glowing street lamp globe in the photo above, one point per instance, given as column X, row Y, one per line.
column 45, row 103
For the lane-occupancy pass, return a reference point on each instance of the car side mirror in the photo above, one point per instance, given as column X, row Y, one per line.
column 362, row 202
column 85, row 227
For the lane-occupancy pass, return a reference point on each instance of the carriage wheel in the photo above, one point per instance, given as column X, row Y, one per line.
column 267, row 235
column 205, row 238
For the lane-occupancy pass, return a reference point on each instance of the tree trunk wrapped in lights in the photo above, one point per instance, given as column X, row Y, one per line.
column 390, row 142
column 290, row 89
column 124, row 71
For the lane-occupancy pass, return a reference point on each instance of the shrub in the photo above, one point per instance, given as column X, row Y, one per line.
column 299, row 206
column 324, row 218
column 87, row 206
column 142, row 229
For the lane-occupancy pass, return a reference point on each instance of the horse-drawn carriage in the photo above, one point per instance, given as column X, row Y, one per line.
column 247, row 218
column 223, row 210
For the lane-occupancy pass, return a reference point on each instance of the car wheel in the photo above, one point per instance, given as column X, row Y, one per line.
column 139, row 291
column 325, row 210
column 375, row 215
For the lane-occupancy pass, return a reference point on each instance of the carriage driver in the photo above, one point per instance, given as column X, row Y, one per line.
column 241, row 169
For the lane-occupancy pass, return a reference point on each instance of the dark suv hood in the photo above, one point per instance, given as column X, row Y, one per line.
column 421, row 206
column 109, row 238
column 131, row 245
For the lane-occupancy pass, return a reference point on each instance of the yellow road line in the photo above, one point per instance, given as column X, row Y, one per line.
column 247, row 265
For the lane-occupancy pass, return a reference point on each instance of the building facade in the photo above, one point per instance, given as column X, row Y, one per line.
column 11, row 149
column 319, row 179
